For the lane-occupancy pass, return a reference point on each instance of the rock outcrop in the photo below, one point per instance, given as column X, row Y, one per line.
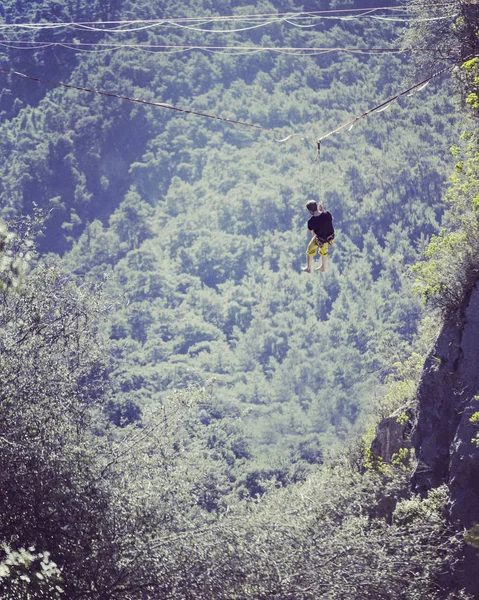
column 443, row 434
column 392, row 435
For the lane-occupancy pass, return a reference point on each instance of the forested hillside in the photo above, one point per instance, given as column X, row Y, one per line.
column 214, row 370
column 202, row 225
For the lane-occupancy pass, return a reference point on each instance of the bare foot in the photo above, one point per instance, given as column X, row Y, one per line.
column 306, row 270
column 320, row 268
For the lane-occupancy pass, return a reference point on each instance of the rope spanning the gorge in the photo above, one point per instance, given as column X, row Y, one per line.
column 350, row 123
column 385, row 104
column 378, row 108
column 138, row 100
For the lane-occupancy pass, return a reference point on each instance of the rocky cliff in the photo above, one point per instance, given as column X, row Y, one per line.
column 443, row 434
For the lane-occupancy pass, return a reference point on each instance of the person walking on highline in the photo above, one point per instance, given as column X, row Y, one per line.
column 320, row 226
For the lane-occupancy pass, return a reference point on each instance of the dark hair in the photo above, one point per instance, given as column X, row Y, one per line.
column 312, row 206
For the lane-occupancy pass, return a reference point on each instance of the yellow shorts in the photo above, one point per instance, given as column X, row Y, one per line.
column 313, row 247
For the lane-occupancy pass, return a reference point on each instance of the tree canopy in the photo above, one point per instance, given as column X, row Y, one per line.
column 176, row 395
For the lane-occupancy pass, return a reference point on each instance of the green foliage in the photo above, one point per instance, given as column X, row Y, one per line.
column 402, row 418
column 52, row 377
column 201, row 226
column 472, row 536
column 471, row 70
column 474, row 420
column 179, row 454
column 93, row 496
column 401, row 458
column 450, row 268
column 402, row 385
column 417, row 510
column 321, row 540
column 446, row 41
column 17, row 248
column 29, row 574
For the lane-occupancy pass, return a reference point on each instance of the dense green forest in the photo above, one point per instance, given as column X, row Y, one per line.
column 181, row 406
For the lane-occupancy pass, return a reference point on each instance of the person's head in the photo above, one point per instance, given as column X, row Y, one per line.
column 312, row 206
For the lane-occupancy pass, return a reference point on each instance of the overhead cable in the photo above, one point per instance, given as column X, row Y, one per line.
column 122, row 26
column 305, row 50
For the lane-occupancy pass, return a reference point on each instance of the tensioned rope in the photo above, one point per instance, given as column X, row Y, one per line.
column 138, row 100
column 349, row 123
column 384, row 104
column 377, row 108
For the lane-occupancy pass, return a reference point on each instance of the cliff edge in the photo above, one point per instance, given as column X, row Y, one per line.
column 443, row 434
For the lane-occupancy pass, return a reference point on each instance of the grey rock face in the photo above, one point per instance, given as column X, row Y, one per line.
column 392, row 435
column 442, row 436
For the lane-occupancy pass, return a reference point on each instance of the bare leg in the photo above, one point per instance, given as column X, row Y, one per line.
column 307, row 269
column 322, row 266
